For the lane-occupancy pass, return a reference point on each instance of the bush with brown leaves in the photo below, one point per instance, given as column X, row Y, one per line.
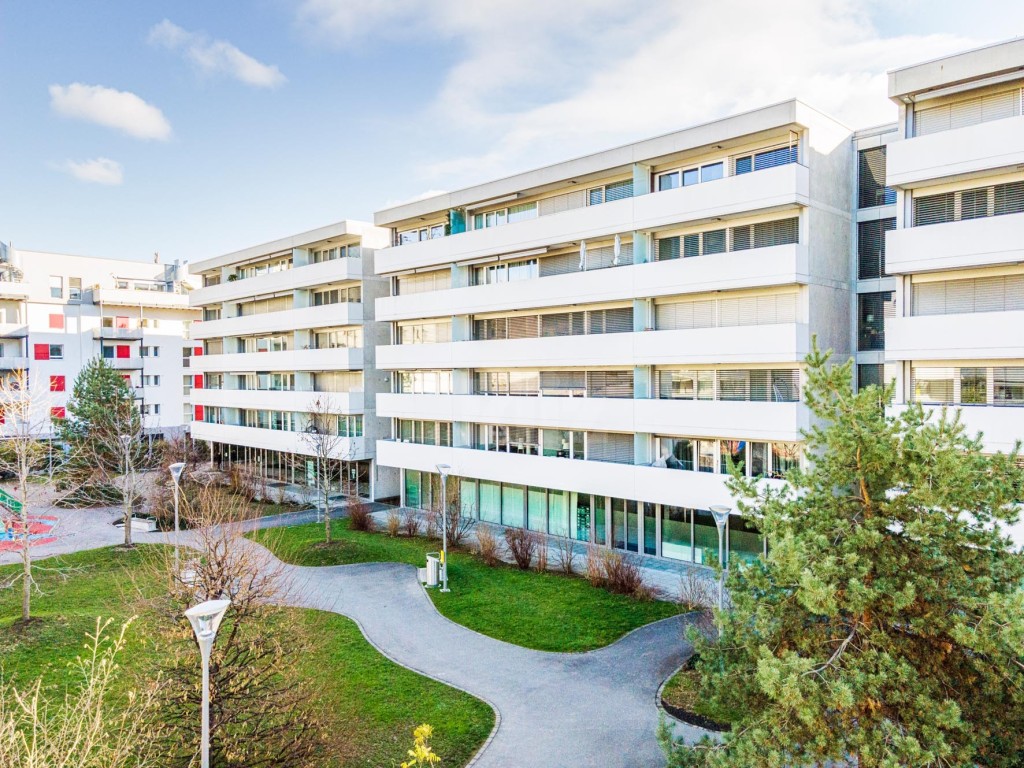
column 522, row 545
column 394, row 524
column 360, row 518
column 490, row 549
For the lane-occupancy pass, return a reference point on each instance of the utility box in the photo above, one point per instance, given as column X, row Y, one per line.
column 433, row 569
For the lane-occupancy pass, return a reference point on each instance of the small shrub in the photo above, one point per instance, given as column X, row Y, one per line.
column 594, row 570
column 542, row 555
column 433, row 524
column 565, row 555
column 522, row 544
column 489, row 547
column 410, row 523
column 623, row 576
column 459, row 525
column 696, row 590
column 360, row 518
column 394, row 525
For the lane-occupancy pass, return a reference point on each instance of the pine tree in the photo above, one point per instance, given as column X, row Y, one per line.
column 886, row 626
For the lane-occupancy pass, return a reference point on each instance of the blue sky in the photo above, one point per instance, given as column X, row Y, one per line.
column 196, row 128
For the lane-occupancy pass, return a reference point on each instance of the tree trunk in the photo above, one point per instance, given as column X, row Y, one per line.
column 127, row 520
column 26, row 559
column 327, row 512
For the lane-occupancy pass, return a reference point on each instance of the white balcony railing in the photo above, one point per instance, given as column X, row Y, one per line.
column 289, row 360
column 349, row 449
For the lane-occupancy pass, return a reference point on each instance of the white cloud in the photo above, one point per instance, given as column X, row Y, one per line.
column 122, row 110
column 215, row 56
column 538, row 81
column 101, row 170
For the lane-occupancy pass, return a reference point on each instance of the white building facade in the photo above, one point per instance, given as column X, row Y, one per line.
column 283, row 324
column 587, row 345
column 57, row 312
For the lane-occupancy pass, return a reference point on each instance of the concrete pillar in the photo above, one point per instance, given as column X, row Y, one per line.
column 642, row 247
column 642, row 451
column 643, row 314
column 462, row 328
column 641, row 179
column 643, row 382
column 461, row 275
column 300, row 257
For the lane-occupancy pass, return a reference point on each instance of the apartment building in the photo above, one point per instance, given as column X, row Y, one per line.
column 58, row 311
column 282, row 324
column 588, row 344
column 955, row 166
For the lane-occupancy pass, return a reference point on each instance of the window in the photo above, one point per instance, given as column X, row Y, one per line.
column 973, row 386
column 424, row 432
column 154, row 381
column 972, row 110
column 58, row 412
column 423, row 282
column 712, row 172
column 425, row 333
column 57, row 322
column 669, row 181
column 424, row 382
column 350, row 425
column 562, row 443
column 768, row 158
column 211, row 313
column 1008, row 386
column 57, row 383
column 75, row 288
column 871, row 189
column 338, row 252
column 871, row 374
column 980, row 294
column 505, row 272
column 338, row 338
column 56, row 352
column 975, row 203
column 352, row 294
column 56, row 287
column 871, row 247
column 872, row 309
column 503, row 216
column 618, row 190
column 148, row 351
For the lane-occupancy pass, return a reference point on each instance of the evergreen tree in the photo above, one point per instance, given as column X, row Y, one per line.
column 886, row 626
column 102, row 408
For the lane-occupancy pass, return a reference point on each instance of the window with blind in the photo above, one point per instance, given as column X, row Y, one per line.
column 618, row 190
column 265, row 306
column 1000, row 385
column 769, row 158
column 871, row 189
column 600, row 257
column 425, row 333
column 968, row 111
column 612, row 447
column 975, row 203
column 579, row 323
column 769, row 385
column 872, row 309
column 424, row 432
column 352, row 294
column 980, row 294
column 555, row 383
column 740, row 311
column 439, row 280
column 761, row 235
column 338, row 381
column 423, row 382
column 871, row 247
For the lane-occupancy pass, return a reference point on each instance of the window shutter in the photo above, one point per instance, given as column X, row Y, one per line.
column 871, row 177
column 560, row 203
column 610, row 384
column 971, row 111
column 934, row 209
column 523, row 327
column 613, row 447
column 741, row 238
column 562, row 382
column 618, row 320
column 871, row 247
column 734, row 385
column 618, row 190
column 561, row 264
column 668, row 248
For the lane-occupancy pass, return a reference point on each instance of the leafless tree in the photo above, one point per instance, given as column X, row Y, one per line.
column 324, row 441
column 260, row 713
column 565, row 555
column 24, row 430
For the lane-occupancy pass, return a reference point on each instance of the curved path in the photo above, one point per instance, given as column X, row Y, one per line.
column 554, row 709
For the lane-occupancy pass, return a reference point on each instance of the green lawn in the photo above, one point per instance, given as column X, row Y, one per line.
column 546, row 611
column 370, row 705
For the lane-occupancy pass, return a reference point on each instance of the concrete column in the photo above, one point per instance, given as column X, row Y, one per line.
column 461, row 275
column 641, row 179
column 643, row 314
column 642, row 451
column 643, row 381
column 300, row 257
column 462, row 328
column 642, row 247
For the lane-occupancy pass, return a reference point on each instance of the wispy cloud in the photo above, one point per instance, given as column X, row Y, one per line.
column 215, row 56
column 101, row 170
column 121, row 110
column 537, row 81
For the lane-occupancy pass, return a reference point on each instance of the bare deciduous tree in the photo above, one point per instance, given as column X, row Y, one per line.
column 26, row 422
column 260, row 713
column 327, row 446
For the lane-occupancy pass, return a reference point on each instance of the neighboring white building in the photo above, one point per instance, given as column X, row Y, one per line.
column 59, row 311
column 585, row 344
column 282, row 324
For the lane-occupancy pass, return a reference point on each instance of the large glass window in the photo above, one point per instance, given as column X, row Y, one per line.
column 537, row 509
column 467, row 498
column 650, row 526
column 706, row 450
column 490, row 501
column 412, row 488
column 705, row 538
column 675, row 533
column 745, row 543
column 558, row 512
column 734, row 451
column 582, row 518
column 513, row 505
column 785, row 456
column 600, row 520
column 677, row 452
column 1008, row 386
column 873, row 308
column 973, row 386
column 871, row 179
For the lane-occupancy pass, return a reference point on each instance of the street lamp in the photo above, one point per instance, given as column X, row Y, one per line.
column 205, row 619
column 721, row 513
column 176, row 470
column 444, row 469
column 126, row 443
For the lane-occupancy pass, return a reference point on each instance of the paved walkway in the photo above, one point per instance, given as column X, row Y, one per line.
column 553, row 710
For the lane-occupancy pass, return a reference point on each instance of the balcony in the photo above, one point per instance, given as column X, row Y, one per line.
column 982, row 147
column 118, row 334
column 977, row 336
column 347, row 313
column 13, row 330
column 125, row 363
column 1001, row 426
column 14, row 289
column 787, row 342
column 777, row 265
column 956, row 244
column 774, row 188
column 13, row 363
column 306, row 276
column 128, row 297
column 275, row 400
column 349, row 449
column 697, row 418
column 288, row 360
column 642, row 483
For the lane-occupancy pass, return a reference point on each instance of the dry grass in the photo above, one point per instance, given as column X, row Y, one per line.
column 490, row 549
column 565, row 555
column 394, row 524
